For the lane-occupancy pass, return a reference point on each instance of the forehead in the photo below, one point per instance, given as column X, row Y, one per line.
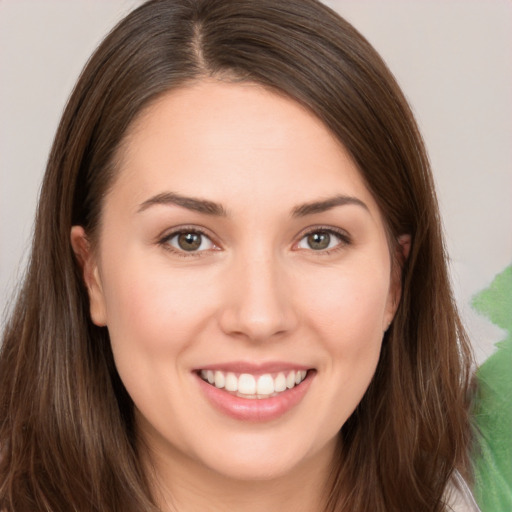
column 234, row 142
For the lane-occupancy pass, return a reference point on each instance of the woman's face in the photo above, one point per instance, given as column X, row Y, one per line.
column 240, row 246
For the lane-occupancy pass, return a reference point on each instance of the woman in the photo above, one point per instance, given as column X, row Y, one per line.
column 237, row 296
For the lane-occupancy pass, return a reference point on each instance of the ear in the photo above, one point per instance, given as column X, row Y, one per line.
column 402, row 250
column 90, row 274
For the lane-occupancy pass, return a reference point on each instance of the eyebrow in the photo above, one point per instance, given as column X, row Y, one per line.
column 190, row 203
column 327, row 204
column 211, row 208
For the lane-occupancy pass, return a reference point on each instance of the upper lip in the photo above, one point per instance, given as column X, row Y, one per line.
column 254, row 368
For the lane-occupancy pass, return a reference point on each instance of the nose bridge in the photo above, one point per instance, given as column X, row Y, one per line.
column 257, row 303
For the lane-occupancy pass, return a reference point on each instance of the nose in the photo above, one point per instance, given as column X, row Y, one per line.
column 257, row 303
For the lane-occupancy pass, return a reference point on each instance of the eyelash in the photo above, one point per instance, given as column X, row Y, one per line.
column 343, row 237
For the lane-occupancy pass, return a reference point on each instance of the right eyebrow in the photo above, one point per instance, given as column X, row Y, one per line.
column 190, row 203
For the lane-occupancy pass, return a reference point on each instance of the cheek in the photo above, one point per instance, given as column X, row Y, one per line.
column 348, row 316
column 153, row 317
column 349, row 307
column 348, row 320
column 154, row 308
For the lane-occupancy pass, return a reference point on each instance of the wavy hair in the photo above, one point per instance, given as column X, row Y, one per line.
column 67, row 433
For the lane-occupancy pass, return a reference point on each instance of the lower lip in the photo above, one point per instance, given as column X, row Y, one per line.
column 256, row 409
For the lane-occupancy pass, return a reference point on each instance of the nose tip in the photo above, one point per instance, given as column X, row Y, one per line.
column 258, row 304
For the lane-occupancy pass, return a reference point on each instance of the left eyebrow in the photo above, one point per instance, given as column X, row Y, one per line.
column 327, row 204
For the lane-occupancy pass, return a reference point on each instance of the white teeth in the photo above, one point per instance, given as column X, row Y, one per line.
column 220, row 380
column 280, row 383
column 265, row 385
column 231, row 382
column 251, row 386
column 246, row 384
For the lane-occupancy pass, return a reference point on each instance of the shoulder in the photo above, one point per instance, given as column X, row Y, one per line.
column 458, row 496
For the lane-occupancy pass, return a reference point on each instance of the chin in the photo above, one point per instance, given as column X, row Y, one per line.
column 261, row 459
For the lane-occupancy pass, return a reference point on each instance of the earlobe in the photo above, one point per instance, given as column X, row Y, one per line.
column 90, row 274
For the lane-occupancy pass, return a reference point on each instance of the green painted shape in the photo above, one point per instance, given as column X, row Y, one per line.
column 493, row 403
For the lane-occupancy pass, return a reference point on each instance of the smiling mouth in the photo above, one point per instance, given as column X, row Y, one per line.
column 247, row 385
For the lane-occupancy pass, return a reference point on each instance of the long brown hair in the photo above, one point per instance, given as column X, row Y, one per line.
column 67, row 436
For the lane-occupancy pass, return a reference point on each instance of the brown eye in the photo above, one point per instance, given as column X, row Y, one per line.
column 322, row 239
column 319, row 241
column 189, row 241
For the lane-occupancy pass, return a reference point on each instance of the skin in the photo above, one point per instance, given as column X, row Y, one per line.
column 255, row 291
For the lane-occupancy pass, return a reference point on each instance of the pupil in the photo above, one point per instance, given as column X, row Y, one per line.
column 189, row 241
column 319, row 240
